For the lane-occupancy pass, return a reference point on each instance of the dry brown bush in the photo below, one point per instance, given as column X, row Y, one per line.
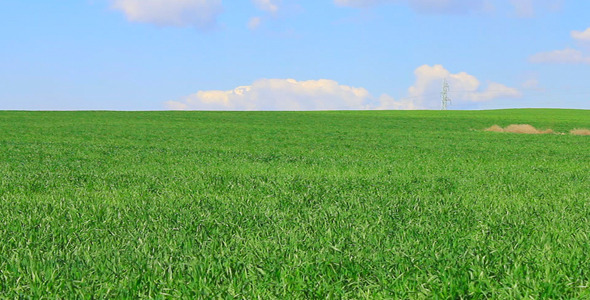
column 520, row 128
column 495, row 128
column 526, row 128
column 580, row 131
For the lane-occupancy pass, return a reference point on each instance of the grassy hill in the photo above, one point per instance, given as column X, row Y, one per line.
column 371, row 204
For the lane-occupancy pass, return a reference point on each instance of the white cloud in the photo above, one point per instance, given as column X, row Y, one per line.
column 581, row 35
column 271, row 7
column 493, row 91
column 388, row 102
column 359, row 3
column 528, row 8
column 524, row 8
column 183, row 13
column 465, row 88
column 288, row 94
column 566, row 56
column 531, row 83
column 426, row 6
column 267, row 5
column 254, row 23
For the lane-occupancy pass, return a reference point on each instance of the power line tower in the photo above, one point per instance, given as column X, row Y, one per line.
column 445, row 100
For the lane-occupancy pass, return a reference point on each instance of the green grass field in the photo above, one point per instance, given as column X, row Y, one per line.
column 369, row 204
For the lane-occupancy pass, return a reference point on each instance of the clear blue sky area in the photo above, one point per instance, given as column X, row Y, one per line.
column 293, row 55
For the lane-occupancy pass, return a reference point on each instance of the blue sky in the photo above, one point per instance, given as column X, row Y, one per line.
column 293, row 54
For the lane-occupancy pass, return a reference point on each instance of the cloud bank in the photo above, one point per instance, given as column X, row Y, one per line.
column 201, row 14
column 325, row 94
column 284, row 94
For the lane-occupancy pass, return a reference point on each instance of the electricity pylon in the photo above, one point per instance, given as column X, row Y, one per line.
column 445, row 100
